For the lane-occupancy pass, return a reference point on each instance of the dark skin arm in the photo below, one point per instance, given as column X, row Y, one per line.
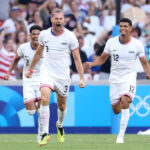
column 99, row 61
column 12, row 66
column 146, row 66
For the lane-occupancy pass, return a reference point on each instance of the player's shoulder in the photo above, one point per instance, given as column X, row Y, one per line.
column 45, row 32
column 68, row 32
column 136, row 41
column 113, row 39
column 24, row 45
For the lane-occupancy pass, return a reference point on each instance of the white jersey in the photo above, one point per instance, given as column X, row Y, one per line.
column 57, row 52
column 27, row 52
column 123, row 59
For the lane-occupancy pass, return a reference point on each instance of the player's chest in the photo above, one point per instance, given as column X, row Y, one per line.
column 55, row 44
column 28, row 55
column 124, row 52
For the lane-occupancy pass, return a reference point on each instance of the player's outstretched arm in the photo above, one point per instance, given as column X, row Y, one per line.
column 37, row 56
column 146, row 66
column 79, row 66
column 99, row 61
column 12, row 66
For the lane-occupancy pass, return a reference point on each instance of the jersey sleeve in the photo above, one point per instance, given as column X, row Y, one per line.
column 20, row 51
column 141, row 51
column 40, row 38
column 107, row 48
column 73, row 41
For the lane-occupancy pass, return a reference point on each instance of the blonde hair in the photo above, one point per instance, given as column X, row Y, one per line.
column 57, row 10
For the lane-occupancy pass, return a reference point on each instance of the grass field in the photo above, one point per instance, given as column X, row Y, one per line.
column 74, row 142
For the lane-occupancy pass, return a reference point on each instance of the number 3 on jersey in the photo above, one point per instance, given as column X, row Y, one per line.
column 116, row 57
column 66, row 89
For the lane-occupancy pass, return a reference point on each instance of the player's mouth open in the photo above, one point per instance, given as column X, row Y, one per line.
column 36, row 40
column 58, row 25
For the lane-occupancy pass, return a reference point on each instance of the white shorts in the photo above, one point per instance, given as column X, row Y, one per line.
column 117, row 90
column 31, row 93
column 60, row 86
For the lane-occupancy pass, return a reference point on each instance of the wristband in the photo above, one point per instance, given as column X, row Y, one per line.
column 30, row 70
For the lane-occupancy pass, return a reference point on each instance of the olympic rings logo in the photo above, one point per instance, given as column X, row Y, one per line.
column 142, row 107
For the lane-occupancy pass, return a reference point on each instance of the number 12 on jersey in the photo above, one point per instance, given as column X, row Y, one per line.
column 116, row 57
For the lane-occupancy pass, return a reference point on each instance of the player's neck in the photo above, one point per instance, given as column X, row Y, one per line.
column 57, row 33
column 124, row 39
column 34, row 46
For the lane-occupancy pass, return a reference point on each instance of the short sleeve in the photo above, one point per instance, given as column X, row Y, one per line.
column 40, row 38
column 107, row 48
column 73, row 41
column 141, row 51
column 20, row 51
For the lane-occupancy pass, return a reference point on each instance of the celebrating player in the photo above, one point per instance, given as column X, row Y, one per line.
column 31, row 87
column 55, row 72
column 123, row 50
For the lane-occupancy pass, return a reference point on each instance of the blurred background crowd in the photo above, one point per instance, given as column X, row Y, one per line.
column 92, row 21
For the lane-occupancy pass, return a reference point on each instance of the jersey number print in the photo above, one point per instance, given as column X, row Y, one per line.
column 116, row 57
column 27, row 62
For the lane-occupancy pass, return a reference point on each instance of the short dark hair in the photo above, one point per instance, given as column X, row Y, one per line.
column 126, row 20
column 35, row 27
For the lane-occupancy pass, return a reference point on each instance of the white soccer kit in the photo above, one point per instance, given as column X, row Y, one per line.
column 31, row 86
column 123, row 70
column 56, row 62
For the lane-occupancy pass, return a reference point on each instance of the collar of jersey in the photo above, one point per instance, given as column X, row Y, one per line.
column 55, row 34
column 122, row 42
column 31, row 46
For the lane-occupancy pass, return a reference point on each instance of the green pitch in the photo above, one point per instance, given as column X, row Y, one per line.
column 74, row 142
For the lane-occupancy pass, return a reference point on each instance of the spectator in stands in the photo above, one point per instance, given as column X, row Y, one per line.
column 37, row 20
column 65, row 6
column 6, row 55
column 82, row 55
column 74, row 10
column 45, row 11
column 146, row 6
column 31, row 8
column 5, row 9
column 15, row 17
column 21, row 37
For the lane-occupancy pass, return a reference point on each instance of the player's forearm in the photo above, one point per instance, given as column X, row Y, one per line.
column 146, row 68
column 13, row 65
column 99, row 61
column 145, row 65
column 37, row 56
column 36, row 59
column 80, row 70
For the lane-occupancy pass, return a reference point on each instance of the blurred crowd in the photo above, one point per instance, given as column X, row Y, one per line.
column 92, row 22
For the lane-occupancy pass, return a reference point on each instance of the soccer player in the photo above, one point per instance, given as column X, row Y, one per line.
column 31, row 86
column 123, row 50
column 55, row 72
